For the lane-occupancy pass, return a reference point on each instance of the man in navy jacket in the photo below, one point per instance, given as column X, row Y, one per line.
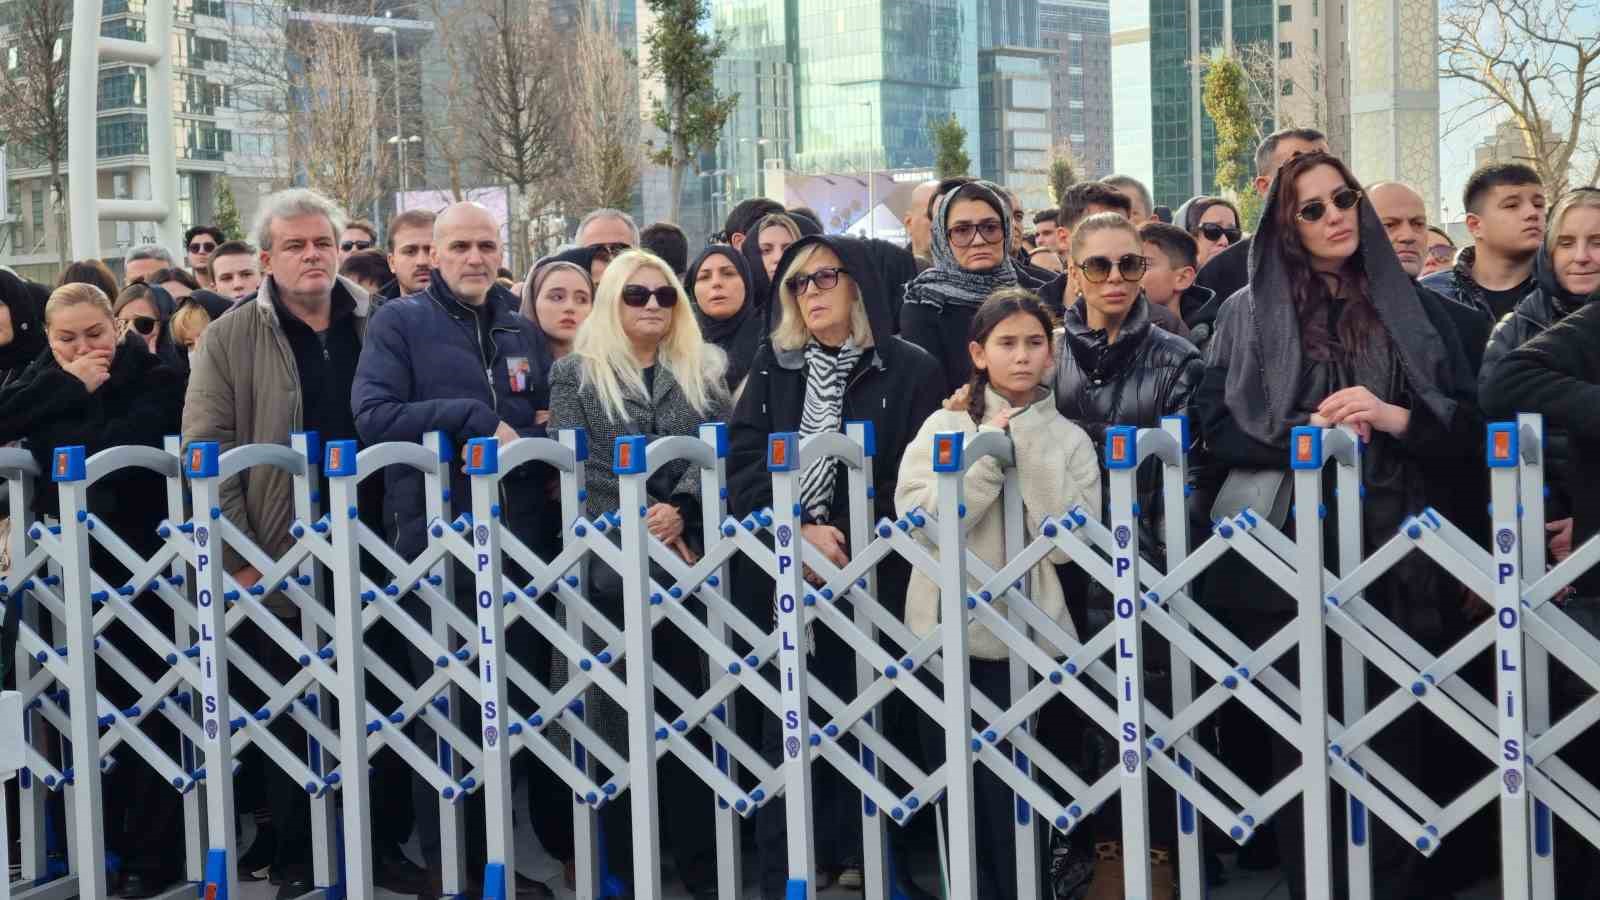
column 454, row 357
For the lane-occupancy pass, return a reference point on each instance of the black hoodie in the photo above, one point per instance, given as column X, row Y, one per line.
column 24, row 301
column 740, row 334
column 896, row 386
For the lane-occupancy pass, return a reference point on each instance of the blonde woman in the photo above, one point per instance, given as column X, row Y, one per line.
column 640, row 366
column 94, row 390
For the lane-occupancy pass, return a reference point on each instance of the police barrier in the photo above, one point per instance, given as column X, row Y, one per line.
column 315, row 603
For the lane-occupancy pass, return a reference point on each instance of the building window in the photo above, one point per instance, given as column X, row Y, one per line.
column 1315, row 11
column 1316, row 39
column 1287, row 88
column 1285, row 13
column 1286, row 49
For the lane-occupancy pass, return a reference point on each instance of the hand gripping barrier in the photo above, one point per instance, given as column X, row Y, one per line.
column 188, row 719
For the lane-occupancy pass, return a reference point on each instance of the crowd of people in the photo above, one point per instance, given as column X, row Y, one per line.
column 1341, row 306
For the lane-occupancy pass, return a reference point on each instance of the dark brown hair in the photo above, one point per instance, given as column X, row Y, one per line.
column 1359, row 328
column 90, row 271
column 1001, row 305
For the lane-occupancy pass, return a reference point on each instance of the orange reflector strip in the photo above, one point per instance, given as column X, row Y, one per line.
column 1302, row 450
column 1502, row 445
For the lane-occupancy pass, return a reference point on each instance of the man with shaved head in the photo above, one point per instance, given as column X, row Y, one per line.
column 1401, row 210
column 454, row 357
column 919, row 225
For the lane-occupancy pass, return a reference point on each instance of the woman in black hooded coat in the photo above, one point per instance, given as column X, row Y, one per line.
column 886, row 380
column 1332, row 331
column 734, row 323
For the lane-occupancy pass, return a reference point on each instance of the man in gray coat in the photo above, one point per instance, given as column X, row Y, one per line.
column 281, row 363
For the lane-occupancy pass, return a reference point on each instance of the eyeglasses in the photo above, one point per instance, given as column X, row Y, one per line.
column 966, row 234
column 1213, row 232
column 348, row 246
column 145, row 325
column 608, row 252
column 198, row 247
column 1344, row 199
column 1442, row 252
column 825, row 279
column 1098, row 268
column 638, row 295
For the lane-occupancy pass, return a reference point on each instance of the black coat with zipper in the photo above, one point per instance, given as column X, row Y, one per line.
column 425, row 367
column 1557, row 374
column 895, row 386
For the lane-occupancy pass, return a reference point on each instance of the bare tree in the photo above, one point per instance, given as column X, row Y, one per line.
column 1290, row 91
column 33, row 97
column 519, row 124
column 606, row 146
column 1535, row 61
column 333, row 117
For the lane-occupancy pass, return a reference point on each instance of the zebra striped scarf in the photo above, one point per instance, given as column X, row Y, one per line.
column 827, row 376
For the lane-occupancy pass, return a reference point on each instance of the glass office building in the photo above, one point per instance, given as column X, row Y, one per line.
column 867, row 76
column 1078, row 33
column 1162, row 133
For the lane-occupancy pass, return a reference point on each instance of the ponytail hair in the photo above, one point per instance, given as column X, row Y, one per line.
column 1001, row 305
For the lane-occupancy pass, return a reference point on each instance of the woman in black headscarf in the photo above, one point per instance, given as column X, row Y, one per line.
column 971, row 260
column 1331, row 331
column 723, row 291
column 22, row 336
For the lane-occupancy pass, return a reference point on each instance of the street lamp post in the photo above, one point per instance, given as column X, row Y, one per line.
column 399, row 125
column 872, row 202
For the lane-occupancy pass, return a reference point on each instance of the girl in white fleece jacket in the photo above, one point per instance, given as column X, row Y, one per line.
column 1011, row 355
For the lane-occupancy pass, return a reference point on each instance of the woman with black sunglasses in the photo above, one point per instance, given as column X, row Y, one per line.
column 1213, row 222
column 1332, row 331
column 972, row 258
column 639, row 365
column 146, row 310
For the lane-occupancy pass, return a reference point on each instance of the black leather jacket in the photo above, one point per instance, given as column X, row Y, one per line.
column 1148, row 373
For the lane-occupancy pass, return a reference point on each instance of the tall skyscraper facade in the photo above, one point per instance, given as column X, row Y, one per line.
column 1297, row 65
column 1078, row 34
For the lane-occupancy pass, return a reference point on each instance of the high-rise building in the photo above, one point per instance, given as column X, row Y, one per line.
column 1162, row 133
column 1078, row 33
column 1392, row 64
column 206, row 121
column 1014, row 99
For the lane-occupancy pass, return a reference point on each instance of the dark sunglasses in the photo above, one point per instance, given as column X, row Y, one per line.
column 1213, row 232
column 1098, row 268
column 966, row 234
column 1442, row 252
column 1344, row 198
column 198, row 247
column 608, row 252
column 825, row 278
column 639, row 295
column 143, row 324
column 348, row 246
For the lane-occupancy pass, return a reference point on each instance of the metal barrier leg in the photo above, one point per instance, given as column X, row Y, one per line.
column 1315, row 795
column 958, row 732
column 783, row 458
column 349, row 647
column 642, row 763
column 89, row 857
column 1536, row 661
column 1123, row 461
column 1515, row 859
column 499, row 880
